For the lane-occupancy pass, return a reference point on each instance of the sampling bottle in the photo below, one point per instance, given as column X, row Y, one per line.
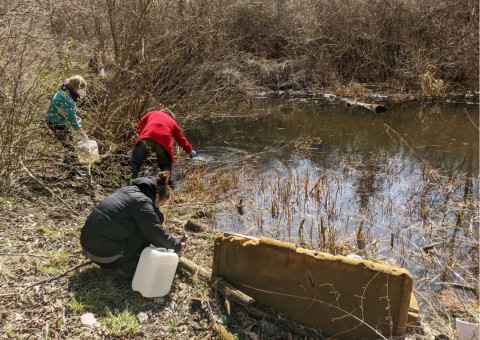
column 155, row 272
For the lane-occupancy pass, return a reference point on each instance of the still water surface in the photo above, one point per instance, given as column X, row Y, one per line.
column 401, row 176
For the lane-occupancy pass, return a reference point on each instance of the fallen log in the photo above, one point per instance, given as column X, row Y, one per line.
column 231, row 293
column 223, row 287
column 194, row 269
column 293, row 327
column 377, row 108
column 194, row 226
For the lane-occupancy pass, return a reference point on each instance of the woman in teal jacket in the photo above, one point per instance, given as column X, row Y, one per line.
column 62, row 114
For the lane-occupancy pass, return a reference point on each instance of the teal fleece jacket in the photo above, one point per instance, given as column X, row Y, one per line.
column 63, row 110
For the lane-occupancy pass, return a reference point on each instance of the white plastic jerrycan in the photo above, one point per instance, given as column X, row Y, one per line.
column 155, row 272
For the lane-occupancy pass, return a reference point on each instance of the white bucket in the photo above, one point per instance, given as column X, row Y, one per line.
column 155, row 272
column 87, row 151
column 467, row 330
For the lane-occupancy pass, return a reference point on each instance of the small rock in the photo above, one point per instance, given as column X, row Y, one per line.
column 88, row 319
column 142, row 317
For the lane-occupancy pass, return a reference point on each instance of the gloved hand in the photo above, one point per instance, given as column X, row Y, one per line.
column 193, row 153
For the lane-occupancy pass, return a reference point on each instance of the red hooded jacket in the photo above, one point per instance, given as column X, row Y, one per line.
column 160, row 127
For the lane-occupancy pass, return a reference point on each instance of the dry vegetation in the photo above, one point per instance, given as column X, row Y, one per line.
column 190, row 55
column 194, row 57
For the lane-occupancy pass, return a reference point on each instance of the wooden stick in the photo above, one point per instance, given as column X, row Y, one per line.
column 195, row 269
column 47, row 188
column 48, row 279
column 218, row 283
column 232, row 293
column 292, row 326
column 377, row 108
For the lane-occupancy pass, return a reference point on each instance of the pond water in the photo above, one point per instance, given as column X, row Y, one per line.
column 328, row 176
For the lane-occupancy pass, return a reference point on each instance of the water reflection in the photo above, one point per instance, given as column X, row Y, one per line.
column 328, row 177
column 443, row 136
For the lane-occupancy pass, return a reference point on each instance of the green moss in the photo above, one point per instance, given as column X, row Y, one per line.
column 50, row 233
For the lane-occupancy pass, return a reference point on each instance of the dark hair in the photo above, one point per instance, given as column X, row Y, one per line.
column 163, row 189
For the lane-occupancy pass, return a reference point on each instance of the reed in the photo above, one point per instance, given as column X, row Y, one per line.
column 315, row 209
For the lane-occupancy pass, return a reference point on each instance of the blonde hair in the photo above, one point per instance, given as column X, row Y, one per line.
column 76, row 82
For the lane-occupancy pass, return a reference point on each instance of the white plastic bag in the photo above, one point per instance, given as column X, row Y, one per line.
column 87, row 151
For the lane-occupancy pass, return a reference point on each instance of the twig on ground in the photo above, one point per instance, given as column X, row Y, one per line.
column 19, row 254
column 47, row 188
column 48, row 279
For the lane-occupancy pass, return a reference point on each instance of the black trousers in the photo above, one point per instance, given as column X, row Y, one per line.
column 142, row 151
column 134, row 246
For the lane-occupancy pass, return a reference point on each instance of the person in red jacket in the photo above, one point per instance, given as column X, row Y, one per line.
column 156, row 131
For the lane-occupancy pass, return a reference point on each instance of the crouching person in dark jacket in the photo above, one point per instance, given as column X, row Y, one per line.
column 123, row 224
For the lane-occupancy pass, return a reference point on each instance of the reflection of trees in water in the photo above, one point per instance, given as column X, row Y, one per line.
column 366, row 185
column 469, row 240
column 449, row 220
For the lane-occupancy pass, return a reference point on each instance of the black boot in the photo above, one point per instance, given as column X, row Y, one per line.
column 127, row 270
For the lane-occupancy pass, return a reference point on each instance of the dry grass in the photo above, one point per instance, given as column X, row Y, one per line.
column 431, row 87
column 191, row 55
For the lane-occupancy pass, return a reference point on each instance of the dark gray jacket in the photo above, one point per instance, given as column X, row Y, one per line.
column 119, row 215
